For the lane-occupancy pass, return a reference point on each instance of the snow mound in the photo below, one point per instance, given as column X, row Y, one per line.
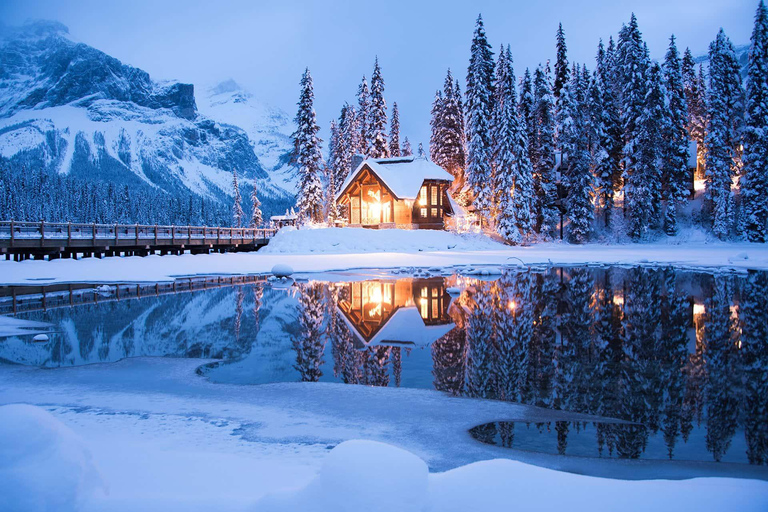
column 359, row 240
column 356, row 476
column 43, row 464
column 372, row 477
column 282, row 270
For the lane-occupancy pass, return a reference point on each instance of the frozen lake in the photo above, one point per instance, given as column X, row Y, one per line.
column 682, row 354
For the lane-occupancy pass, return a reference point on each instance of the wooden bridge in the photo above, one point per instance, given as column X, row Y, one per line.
column 38, row 240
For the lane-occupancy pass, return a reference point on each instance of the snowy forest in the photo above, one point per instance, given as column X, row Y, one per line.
column 578, row 153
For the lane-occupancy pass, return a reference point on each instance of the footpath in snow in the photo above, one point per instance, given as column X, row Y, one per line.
column 317, row 250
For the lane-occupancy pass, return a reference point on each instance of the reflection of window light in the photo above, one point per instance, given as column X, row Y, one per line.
column 424, row 308
column 618, row 300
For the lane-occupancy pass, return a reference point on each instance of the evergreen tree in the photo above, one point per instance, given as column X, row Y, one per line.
column 695, row 92
column 632, row 65
column 723, row 138
column 543, row 160
column 331, row 171
column 562, row 70
column 754, row 183
column 407, row 150
column 513, row 182
column 348, row 144
column 394, row 133
column 420, row 151
column 256, row 219
column 575, row 146
column 450, row 153
column 307, row 154
column 237, row 207
column 363, row 117
column 309, row 342
column 526, row 108
column 479, row 108
column 435, row 123
column 377, row 127
column 675, row 151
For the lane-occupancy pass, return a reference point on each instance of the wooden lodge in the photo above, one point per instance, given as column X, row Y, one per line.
column 405, row 192
column 405, row 312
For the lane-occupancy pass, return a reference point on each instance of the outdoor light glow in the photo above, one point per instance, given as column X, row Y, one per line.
column 699, row 185
column 699, row 309
column 618, row 300
column 512, row 306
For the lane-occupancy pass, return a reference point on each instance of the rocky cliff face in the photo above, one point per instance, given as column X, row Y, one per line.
column 70, row 108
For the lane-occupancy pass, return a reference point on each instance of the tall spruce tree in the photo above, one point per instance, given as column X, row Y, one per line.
column 363, row 117
column 513, row 180
column 632, row 69
column 347, row 145
column 237, row 205
column 695, row 99
column 256, row 218
column 526, row 110
column 544, row 158
column 407, row 149
column 723, row 136
column 448, row 130
column 675, row 154
column 307, row 154
column 754, row 183
column 562, row 70
column 377, row 127
column 479, row 108
column 394, row 132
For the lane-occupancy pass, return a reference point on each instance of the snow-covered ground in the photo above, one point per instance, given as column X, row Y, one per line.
column 163, row 438
column 315, row 250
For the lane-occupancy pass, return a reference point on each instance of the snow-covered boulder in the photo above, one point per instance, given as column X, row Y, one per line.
column 282, row 270
column 356, row 476
column 43, row 464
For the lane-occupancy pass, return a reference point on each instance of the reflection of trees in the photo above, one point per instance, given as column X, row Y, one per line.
column 754, row 348
column 309, row 343
column 448, row 358
column 622, row 352
column 724, row 376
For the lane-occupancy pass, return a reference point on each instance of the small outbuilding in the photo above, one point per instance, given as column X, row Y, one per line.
column 404, row 192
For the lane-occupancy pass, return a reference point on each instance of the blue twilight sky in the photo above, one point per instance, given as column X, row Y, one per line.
column 266, row 45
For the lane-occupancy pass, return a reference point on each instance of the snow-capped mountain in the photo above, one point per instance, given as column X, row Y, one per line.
column 70, row 108
column 268, row 128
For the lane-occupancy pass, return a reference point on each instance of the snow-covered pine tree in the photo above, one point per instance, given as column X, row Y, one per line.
column 349, row 142
column 543, row 144
column 420, row 151
column 526, row 110
column 407, row 150
column 754, row 183
column 377, row 126
column 479, row 107
column 363, row 117
column 331, row 171
column 724, row 131
column 562, row 69
column 631, row 72
column 451, row 123
column 675, row 153
column 237, row 205
column 394, row 132
column 645, row 178
column 307, row 155
column 575, row 144
column 436, row 134
column 513, row 181
column 256, row 218
column 695, row 98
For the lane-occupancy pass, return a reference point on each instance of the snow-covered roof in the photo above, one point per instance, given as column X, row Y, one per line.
column 284, row 217
column 402, row 175
column 404, row 327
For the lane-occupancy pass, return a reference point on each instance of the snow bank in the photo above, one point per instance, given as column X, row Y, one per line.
column 357, row 476
column 357, row 240
column 43, row 464
column 364, row 475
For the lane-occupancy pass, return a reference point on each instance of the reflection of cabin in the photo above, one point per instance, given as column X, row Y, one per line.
column 396, row 313
column 404, row 192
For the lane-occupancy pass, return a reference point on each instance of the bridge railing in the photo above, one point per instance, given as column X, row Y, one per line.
column 10, row 231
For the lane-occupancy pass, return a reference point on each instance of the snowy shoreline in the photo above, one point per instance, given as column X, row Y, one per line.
column 322, row 250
